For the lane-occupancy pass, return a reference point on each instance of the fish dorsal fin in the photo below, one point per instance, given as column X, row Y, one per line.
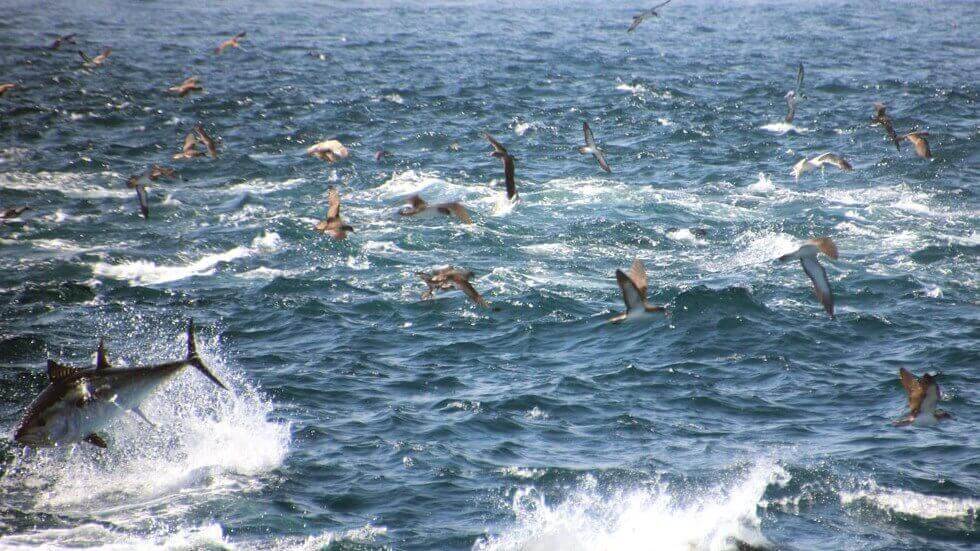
column 101, row 361
column 58, row 372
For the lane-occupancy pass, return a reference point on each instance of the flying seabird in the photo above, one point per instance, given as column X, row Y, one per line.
column 4, row 88
column 333, row 224
column 142, row 200
column 501, row 153
column 918, row 139
column 230, row 43
column 207, row 141
column 12, row 212
column 793, row 95
column 189, row 85
column 923, row 394
column 638, row 18
column 634, row 288
column 448, row 279
column 807, row 165
column 381, row 154
column 153, row 174
column 807, row 254
column 420, row 207
column 93, row 62
column 886, row 121
column 328, row 150
column 66, row 39
column 591, row 147
column 190, row 149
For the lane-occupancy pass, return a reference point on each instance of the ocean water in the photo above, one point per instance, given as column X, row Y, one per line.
column 362, row 418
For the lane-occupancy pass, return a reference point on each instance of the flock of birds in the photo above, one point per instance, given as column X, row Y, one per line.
column 923, row 393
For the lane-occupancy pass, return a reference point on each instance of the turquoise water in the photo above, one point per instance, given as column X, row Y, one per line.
column 362, row 418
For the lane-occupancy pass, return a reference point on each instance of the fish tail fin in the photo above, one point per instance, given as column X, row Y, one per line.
column 195, row 360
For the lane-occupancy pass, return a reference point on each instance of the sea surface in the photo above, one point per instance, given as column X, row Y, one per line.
column 363, row 418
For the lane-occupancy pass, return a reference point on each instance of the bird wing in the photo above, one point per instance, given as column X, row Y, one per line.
column 657, row 7
column 637, row 19
column 463, row 285
column 631, row 295
column 333, row 200
column 417, row 202
column 190, row 142
column 914, row 390
column 638, row 275
column 821, row 285
column 143, row 202
column 240, row 35
column 460, row 212
column 799, row 79
column 85, row 58
column 601, row 159
column 791, row 102
column 920, row 143
column 509, row 177
column 836, row 160
column 207, row 141
column 496, row 145
column 890, row 130
column 589, row 139
column 931, row 396
column 826, row 246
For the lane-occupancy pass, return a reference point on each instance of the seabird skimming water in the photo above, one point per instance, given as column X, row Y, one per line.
column 634, row 288
column 881, row 118
column 93, row 62
column 501, row 153
column 333, row 224
column 230, row 43
column 328, row 150
column 918, row 139
column 807, row 255
column 421, row 208
column 591, row 147
column 793, row 95
column 449, row 279
column 190, row 84
column 807, row 165
column 638, row 18
column 923, row 395
column 65, row 39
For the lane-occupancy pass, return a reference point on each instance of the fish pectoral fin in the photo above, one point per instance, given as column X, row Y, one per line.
column 136, row 411
column 96, row 440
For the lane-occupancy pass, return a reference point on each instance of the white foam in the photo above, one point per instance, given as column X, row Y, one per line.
column 684, row 235
column 67, row 183
column 783, row 127
column 912, row 503
column 762, row 185
column 631, row 88
column 675, row 518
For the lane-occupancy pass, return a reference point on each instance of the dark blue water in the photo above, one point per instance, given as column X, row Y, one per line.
column 362, row 418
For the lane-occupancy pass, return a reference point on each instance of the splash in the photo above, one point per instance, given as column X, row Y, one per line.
column 783, row 128
column 912, row 503
column 674, row 517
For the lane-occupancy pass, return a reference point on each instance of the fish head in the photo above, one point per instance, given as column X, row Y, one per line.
column 37, row 427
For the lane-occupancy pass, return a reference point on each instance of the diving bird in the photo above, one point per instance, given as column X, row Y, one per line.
column 13, row 212
column 881, row 118
column 190, row 84
column 205, row 139
column 591, row 147
column 806, row 165
column 142, row 200
column 923, row 395
column 793, row 95
column 638, row 18
column 78, row 403
column 501, row 153
column 153, row 174
column 230, row 43
column 4, row 88
column 918, row 139
column 419, row 207
column 448, row 279
column 334, row 224
column 634, row 288
column 189, row 150
column 65, row 39
column 807, row 255
column 93, row 62
column 328, row 150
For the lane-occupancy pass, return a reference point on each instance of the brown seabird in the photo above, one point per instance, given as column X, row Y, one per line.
column 918, row 139
column 501, row 153
column 93, row 62
column 448, row 279
column 190, row 84
column 334, row 224
column 230, row 43
column 806, row 165
column 634, row 288
column 419, row 207
column 591, row 147
column 13, row 212
column 638, row 18
column 924, row 395
column 881, row 118
column 64, row 39
column 793, row 95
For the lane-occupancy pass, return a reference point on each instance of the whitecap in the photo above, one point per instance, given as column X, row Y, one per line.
column 783, row 127
column 912, row 503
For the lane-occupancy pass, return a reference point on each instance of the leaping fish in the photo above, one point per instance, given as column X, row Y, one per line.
column 881, row 118
column 333, row 224
column 591, row 147
column 924, row 394
column 807, row 255
column 638, row 18
column 634, row 288
column 501, row 153
column 793, row 95
column 77, row 404
column 448, row 279
column 418, row 207
column 806, row 165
